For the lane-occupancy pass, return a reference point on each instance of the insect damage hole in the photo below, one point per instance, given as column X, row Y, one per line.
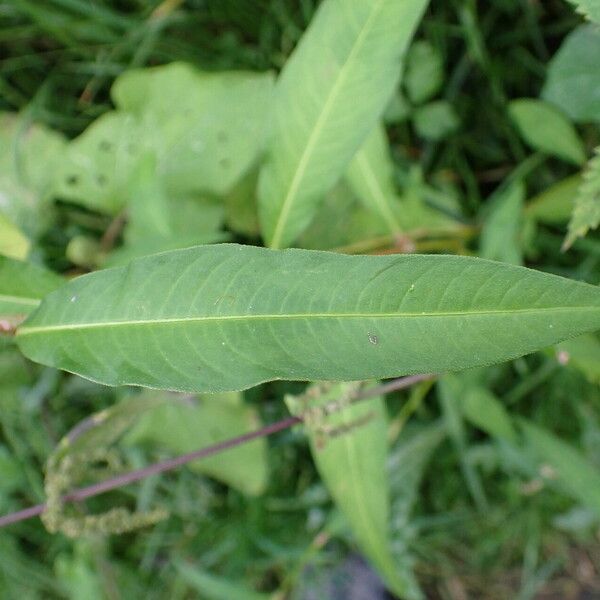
column 373, row 339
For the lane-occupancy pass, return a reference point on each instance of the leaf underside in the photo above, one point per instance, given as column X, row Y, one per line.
column 226, row 317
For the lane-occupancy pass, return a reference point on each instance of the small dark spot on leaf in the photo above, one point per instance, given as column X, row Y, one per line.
column 104, row 145
column 224, row 163
column 72, row 180
column 101, row 180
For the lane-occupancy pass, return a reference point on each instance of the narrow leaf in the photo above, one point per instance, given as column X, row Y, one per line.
column 216, row 588
column 225, row 317
column 370, row 175
column 501, row 233
column 330, row 94
column 23, row 285
column 487, row 412
column 349, row 447
column 574, row 473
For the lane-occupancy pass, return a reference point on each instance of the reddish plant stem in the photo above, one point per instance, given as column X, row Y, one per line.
column 173, row 463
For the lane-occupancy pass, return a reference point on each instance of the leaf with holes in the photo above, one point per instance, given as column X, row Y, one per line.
column 331, row 93
column 97, row 167
column 207, row 128
column 226, row 317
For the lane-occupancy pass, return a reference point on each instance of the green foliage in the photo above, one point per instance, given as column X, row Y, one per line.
column 424, row 72
column 436, row 120
column 586, row 214
column 568, row 467
column 319, row 121
column 23, row 285
column 139, row 128
column 574, row 69
column 588, row 8
column 545, row 129
column 29, row 157
column 370, row 176
column 183, row 425
column 349, row 447
column 501, row 233
column 263, row 314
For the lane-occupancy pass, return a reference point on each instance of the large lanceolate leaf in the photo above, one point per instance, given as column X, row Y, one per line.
column 329, row 96
column 225, row 317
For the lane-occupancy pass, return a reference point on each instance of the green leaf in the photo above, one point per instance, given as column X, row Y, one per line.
column 573, row 76
column 424, row 74
column 588, row 8
column 501, row 233
column 350, row 450
column 555, row 204
column 97, row 167
column 241, row 207
column 104, row 428
column 215, row 588
column 573, row 472
column 207, row 129
column 370, row 176
column 451, row 391
column 157, row 223
column 225, row 317
column 406, row 466
column 23, row 285
column 329, row 96
column 12, row 241
column 583, row 353
column 29, row 157
column 186, row 424
column 436, row 120
column 586, row 214
column 487, row 412
column 546, row 129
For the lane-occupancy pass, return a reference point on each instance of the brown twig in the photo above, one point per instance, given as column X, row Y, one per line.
column 178, row 461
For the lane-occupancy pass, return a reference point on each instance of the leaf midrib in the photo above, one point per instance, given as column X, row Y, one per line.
column 316, row 131
column 396, row 315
